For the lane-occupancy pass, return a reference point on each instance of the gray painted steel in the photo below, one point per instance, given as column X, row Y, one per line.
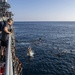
column 9, row 62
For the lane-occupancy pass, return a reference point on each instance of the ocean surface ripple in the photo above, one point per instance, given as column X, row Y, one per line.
column 53, row 44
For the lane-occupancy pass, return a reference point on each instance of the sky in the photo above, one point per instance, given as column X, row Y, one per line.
column 43, row 10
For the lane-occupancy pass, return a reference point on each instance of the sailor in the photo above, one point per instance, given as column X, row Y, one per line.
column 7, row 29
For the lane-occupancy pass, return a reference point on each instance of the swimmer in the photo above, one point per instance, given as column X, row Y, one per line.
column 30, row 52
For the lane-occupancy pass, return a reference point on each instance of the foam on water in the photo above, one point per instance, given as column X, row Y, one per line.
column 22, row 43
column 31, row 54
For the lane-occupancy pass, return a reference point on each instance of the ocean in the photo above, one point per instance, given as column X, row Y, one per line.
column 53, row 44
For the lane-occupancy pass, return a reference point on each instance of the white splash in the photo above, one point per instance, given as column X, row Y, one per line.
column 22, row 43
column 69, row 51
column 30, row 52
column 66, row 51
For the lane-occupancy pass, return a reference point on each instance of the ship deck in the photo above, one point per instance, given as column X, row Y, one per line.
column 2, row 63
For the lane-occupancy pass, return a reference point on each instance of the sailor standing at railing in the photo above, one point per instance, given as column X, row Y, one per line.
column 6, row 30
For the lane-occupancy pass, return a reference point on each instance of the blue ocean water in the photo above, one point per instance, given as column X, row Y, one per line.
column 53, row 44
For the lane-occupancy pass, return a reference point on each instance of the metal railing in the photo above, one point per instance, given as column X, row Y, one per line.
column 9, row 60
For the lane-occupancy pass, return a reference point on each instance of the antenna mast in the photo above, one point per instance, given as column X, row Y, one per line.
column 4, row 6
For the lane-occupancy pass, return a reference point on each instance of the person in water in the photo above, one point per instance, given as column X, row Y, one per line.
column 30, row 52
column 7, row 29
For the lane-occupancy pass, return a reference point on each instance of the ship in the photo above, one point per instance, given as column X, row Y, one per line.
column 10, row 65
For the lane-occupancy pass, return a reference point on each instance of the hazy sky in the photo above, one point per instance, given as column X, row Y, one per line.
column 43, row 10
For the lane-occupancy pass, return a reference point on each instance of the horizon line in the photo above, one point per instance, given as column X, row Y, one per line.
column 41, row 21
